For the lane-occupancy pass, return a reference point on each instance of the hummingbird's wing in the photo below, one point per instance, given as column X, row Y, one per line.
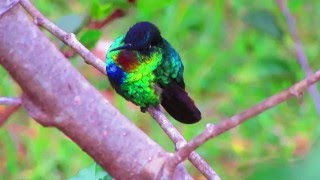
column 174, row 98
column 171, row 67
column 176, row 101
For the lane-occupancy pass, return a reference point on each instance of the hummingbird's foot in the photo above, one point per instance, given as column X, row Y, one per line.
column 143, row 109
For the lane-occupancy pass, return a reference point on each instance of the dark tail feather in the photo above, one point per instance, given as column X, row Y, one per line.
column 179, row 105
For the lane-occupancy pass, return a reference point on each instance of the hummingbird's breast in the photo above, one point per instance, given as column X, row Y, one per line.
column 132, row 74
column 128, row 60
column 137, row 65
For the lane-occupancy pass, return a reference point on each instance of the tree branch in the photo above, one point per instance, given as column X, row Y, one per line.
column 68, row 38
column 225, row 125
column 117, row 13
column 10, row 100
column 301, row 56
column 89, row 58
column 179, row 142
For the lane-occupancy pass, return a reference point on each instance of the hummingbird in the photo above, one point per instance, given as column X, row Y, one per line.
column 145, row 69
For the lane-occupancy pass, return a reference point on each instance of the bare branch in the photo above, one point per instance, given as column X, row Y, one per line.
column 68, row 38
column 10, row 100
column 225, row 125
column 117, row 13
column 179, row 142
column 89, row 58
column 301, row 56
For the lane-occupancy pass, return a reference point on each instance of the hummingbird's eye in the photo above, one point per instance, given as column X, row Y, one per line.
column 148, row 47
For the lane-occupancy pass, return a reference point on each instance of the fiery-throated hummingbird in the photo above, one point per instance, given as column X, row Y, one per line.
column 145, row 69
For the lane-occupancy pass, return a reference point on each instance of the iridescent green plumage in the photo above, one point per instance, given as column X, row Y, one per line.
column 145, row 69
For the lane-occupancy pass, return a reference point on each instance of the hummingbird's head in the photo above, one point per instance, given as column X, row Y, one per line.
column 142, row 37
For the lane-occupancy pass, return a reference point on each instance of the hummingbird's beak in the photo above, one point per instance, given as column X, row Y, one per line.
column 125, row 46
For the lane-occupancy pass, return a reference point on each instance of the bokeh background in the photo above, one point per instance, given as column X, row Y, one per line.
column 236, row 53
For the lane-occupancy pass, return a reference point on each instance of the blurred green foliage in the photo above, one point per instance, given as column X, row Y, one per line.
column 236, row 53
column 89, row 38
column 101, row 9
column 93, row 172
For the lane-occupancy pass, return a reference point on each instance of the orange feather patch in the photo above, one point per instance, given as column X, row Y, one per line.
column 127, row 60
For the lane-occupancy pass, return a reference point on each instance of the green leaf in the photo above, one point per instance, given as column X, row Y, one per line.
column 264, row 21
column 90, row 38
column 274, row 67
column 94, row 172
column 70, row 23
column 100, row 10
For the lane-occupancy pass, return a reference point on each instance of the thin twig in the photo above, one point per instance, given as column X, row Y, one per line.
column 100, row 24
column 225, row 125
column 179, row 142
column 10, row 100
column 301, row 56
column 68, row 38
column 91, row 59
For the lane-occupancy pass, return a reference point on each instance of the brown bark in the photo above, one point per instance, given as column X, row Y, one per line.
column 56, row 94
